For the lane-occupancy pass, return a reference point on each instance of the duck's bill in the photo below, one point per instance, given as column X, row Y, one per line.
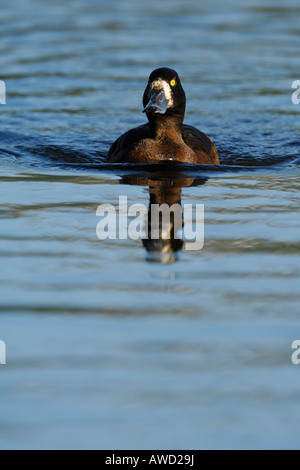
column 158, row 103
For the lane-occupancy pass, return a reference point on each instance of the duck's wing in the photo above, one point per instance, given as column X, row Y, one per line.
column 120, row 148
column 202, row 145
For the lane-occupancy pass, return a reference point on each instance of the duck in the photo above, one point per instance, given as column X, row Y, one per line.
column 164, row 138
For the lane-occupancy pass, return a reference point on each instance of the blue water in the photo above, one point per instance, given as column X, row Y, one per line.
column 107, row 349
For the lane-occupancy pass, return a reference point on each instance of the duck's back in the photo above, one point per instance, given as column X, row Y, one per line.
column 199, row 142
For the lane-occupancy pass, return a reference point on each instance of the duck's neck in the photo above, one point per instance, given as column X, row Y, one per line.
column 167, row 129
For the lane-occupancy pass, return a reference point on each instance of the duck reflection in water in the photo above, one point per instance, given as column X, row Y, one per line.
column 163, row 241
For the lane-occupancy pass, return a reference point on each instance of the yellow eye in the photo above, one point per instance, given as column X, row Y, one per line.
column 173, row 83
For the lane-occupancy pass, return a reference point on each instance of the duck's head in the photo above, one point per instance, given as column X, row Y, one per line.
column 164, row 95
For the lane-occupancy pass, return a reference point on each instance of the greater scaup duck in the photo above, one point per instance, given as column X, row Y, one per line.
column 165, row 137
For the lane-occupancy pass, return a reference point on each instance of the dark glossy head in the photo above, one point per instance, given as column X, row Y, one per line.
column 164, row 95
